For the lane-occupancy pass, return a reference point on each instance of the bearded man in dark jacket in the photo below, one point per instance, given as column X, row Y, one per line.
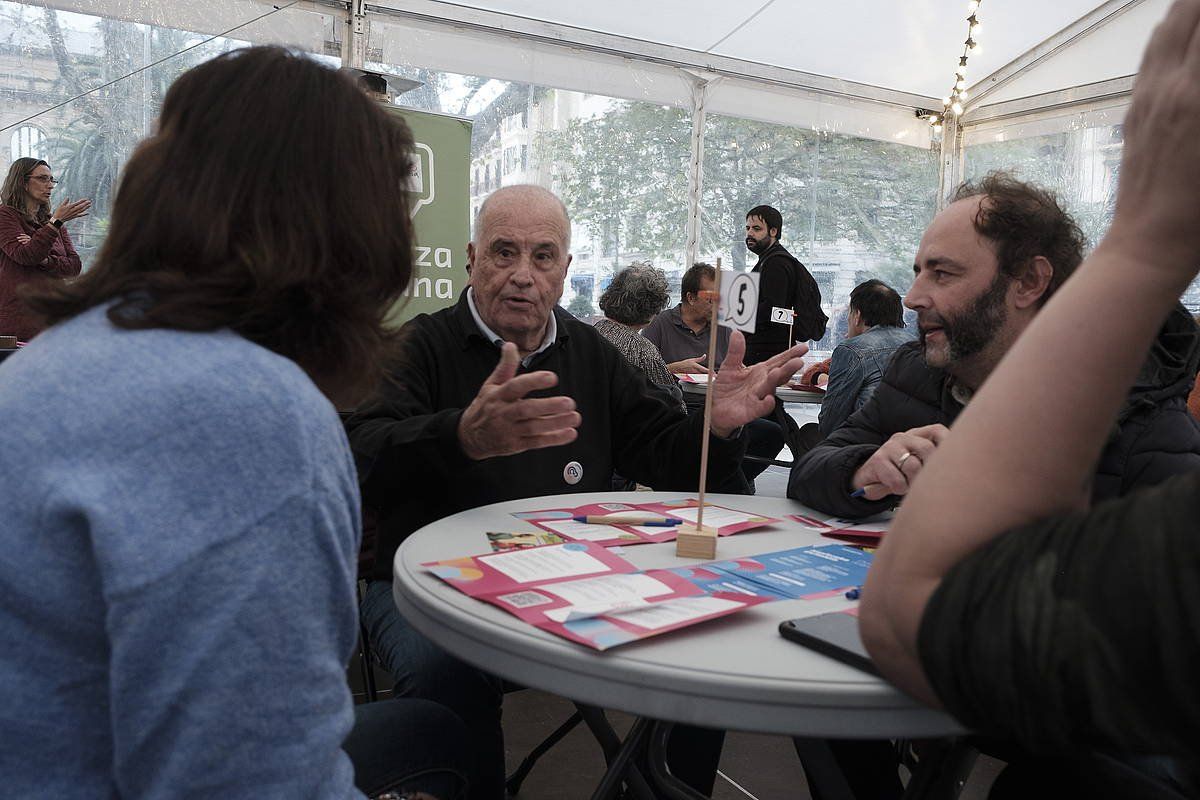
column 985, row 266
column 783, row 283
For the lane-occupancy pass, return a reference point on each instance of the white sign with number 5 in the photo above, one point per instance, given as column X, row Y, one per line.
column 739, row 300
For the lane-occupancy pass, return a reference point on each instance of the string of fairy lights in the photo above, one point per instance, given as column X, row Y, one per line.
column 952, row 103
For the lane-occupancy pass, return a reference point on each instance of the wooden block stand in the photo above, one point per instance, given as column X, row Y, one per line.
column 693, row 542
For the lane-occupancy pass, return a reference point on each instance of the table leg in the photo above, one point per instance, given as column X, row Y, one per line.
column 825, row 778
column 942, row 771
column 665, row 784
column 618, row 755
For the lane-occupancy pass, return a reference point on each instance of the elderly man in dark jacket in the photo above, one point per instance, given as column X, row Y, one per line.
column 985, row 266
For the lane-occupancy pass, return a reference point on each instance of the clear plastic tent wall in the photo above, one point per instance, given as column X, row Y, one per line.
column 82, row 82
column 656, row 162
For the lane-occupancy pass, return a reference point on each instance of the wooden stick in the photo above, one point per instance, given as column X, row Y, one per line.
column 695, row 542
column 712, row 348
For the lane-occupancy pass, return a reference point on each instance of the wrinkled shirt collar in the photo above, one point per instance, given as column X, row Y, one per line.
column 496, row 339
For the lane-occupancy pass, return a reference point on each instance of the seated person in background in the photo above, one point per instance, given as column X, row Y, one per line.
column 875, row 328
column 635, row 295
column 505, row 395
column 986, row 265
column 816, row 374
column 180, row 512
column 998, row 594
column 681, row 334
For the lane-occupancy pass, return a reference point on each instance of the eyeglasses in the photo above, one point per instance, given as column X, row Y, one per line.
column 44, row 179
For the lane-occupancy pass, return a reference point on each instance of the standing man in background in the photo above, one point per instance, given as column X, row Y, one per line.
column 785, row 283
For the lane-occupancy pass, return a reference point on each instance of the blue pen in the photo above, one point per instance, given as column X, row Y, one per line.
column 854, row 593
column 863, row 491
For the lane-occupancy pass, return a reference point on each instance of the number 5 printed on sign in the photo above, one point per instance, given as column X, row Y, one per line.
column 737, row 308
column 739, row 300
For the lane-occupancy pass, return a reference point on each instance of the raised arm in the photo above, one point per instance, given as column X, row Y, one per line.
column 1026, row 445
column 35, row 250
column 29, row 251
column 67, row 265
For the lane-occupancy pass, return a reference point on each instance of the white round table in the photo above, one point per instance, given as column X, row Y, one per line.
column 735, row 673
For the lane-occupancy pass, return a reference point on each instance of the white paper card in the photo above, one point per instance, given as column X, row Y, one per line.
column 714, row 516
column 572, row 613
column 608, row 589
column 671, row 612
column 739, row 300
column 545, row 563
column 585, row 531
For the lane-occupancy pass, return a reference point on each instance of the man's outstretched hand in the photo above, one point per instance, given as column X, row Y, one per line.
column 502, row 421
column 742, row 394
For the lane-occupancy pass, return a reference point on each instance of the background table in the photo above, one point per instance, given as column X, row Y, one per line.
column 783, row 393
column 735, row 673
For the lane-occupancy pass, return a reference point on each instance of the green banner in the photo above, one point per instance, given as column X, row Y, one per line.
column 441, row 209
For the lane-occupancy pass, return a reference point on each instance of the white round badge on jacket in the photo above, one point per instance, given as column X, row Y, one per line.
column 573, row 473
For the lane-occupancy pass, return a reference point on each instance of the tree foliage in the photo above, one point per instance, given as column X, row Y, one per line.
column 581, row 306
column 624, row 174
column 1081, row 167
column 114, row 107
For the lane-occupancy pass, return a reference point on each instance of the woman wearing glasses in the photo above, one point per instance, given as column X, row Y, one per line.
column 34, row 245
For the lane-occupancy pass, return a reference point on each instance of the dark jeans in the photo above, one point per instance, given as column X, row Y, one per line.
column 422, row 669
column 764, row 438
column 408, row 746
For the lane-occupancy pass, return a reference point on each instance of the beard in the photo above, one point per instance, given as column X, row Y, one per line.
column 757, row 246
column 970, row 331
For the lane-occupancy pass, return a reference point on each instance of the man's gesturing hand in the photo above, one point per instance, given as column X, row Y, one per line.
column 501, row 420
column 894, row 466
column 742, row 394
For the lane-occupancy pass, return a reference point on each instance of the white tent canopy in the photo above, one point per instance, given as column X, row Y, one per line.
column 860, row 67
column 861, row 52
column 908, row 47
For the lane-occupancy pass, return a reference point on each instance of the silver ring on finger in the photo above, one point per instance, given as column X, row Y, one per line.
column 900, row 462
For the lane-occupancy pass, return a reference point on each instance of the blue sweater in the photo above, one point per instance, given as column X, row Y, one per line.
column 179, row 520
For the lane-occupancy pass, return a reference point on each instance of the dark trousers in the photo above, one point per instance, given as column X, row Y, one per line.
column 422, row 669
column 764, row 439
column 408, row 746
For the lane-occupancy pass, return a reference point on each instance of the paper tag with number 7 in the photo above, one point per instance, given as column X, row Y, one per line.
column 782, row 315
column 739, row 300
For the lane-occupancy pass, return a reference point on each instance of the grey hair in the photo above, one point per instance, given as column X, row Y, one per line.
column 530, row 190
column 636, row 295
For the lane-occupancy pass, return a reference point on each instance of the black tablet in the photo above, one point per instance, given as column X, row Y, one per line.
column 834, row 634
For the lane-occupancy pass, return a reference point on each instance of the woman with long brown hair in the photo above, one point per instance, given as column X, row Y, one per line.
column 34, row 244
column 180, row 507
